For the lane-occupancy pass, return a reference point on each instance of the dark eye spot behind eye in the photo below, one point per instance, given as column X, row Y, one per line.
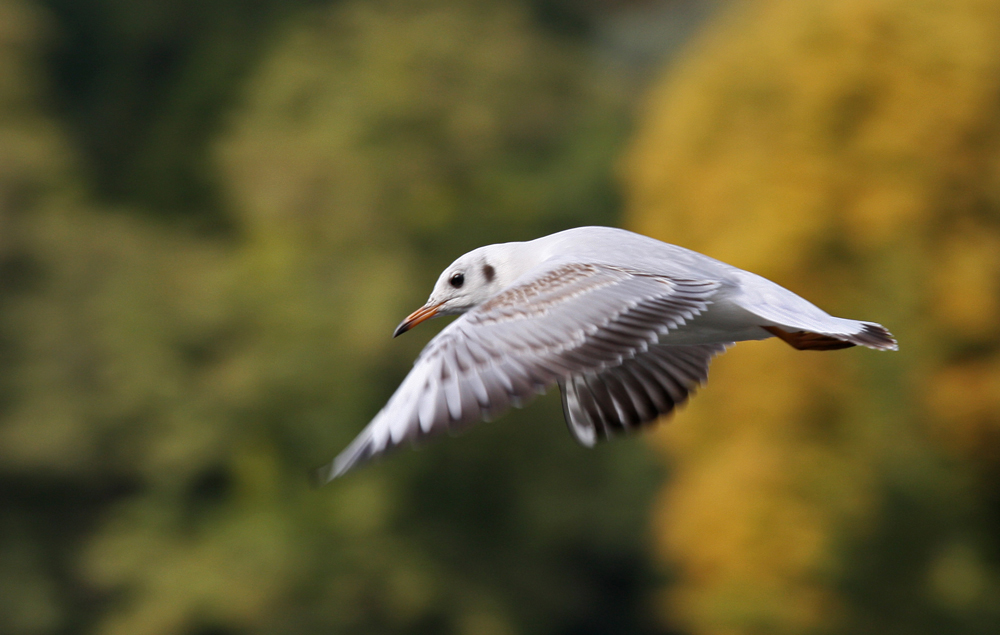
column 457, row 280
column 488, row 273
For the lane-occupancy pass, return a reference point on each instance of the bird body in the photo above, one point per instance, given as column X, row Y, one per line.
column 624, row 324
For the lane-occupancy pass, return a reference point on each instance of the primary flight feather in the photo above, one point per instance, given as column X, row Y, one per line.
column 624, row 324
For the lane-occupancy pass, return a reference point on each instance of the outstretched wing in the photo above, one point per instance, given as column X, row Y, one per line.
column 561, row 320
column 618, row 400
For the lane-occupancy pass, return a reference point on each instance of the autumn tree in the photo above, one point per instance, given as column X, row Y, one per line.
column 849, row 151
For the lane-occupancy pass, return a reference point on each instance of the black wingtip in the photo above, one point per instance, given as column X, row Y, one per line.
column 878, row 337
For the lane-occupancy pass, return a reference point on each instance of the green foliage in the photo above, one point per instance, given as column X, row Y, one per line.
column 164, row 393
column 847, row 150
column 142, row 88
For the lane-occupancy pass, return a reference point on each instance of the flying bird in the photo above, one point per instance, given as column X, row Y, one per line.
column 624, row 324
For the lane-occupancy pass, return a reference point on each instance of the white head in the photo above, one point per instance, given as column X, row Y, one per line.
column 469, row 281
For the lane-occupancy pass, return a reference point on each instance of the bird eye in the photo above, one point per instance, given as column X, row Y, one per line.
column 457, row 280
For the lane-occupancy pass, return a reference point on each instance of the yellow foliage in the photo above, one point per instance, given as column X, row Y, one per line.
column 847, row 150
column 965, row 401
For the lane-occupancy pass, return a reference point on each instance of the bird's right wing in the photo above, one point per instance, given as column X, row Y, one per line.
column 623, row 398
column 561, row 320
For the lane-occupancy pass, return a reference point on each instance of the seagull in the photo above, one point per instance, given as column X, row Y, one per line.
column 624, row 324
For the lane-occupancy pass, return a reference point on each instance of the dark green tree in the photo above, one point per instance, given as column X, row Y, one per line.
column 165, row 391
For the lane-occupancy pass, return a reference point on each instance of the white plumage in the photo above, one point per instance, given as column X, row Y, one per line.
column 624, row 324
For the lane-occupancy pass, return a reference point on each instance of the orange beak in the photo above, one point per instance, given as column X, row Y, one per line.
column 425, row 312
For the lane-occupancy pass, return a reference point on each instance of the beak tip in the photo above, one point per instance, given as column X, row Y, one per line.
column 423, row 313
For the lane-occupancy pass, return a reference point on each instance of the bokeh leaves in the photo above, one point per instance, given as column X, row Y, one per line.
column 848, row 151
column 165, row 392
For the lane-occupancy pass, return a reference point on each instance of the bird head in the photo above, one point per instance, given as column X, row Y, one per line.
column 468, row 282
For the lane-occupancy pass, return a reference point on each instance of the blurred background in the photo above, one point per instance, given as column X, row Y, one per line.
column 213, row 214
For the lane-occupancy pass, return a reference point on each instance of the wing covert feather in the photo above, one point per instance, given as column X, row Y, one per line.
column 563, row 322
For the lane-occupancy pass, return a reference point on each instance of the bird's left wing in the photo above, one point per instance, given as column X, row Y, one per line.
column 558, row 321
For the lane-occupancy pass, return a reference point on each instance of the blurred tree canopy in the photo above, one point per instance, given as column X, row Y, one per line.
column 144, row 87
column 165, row 390
column 850, row 151
column 212, row 215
